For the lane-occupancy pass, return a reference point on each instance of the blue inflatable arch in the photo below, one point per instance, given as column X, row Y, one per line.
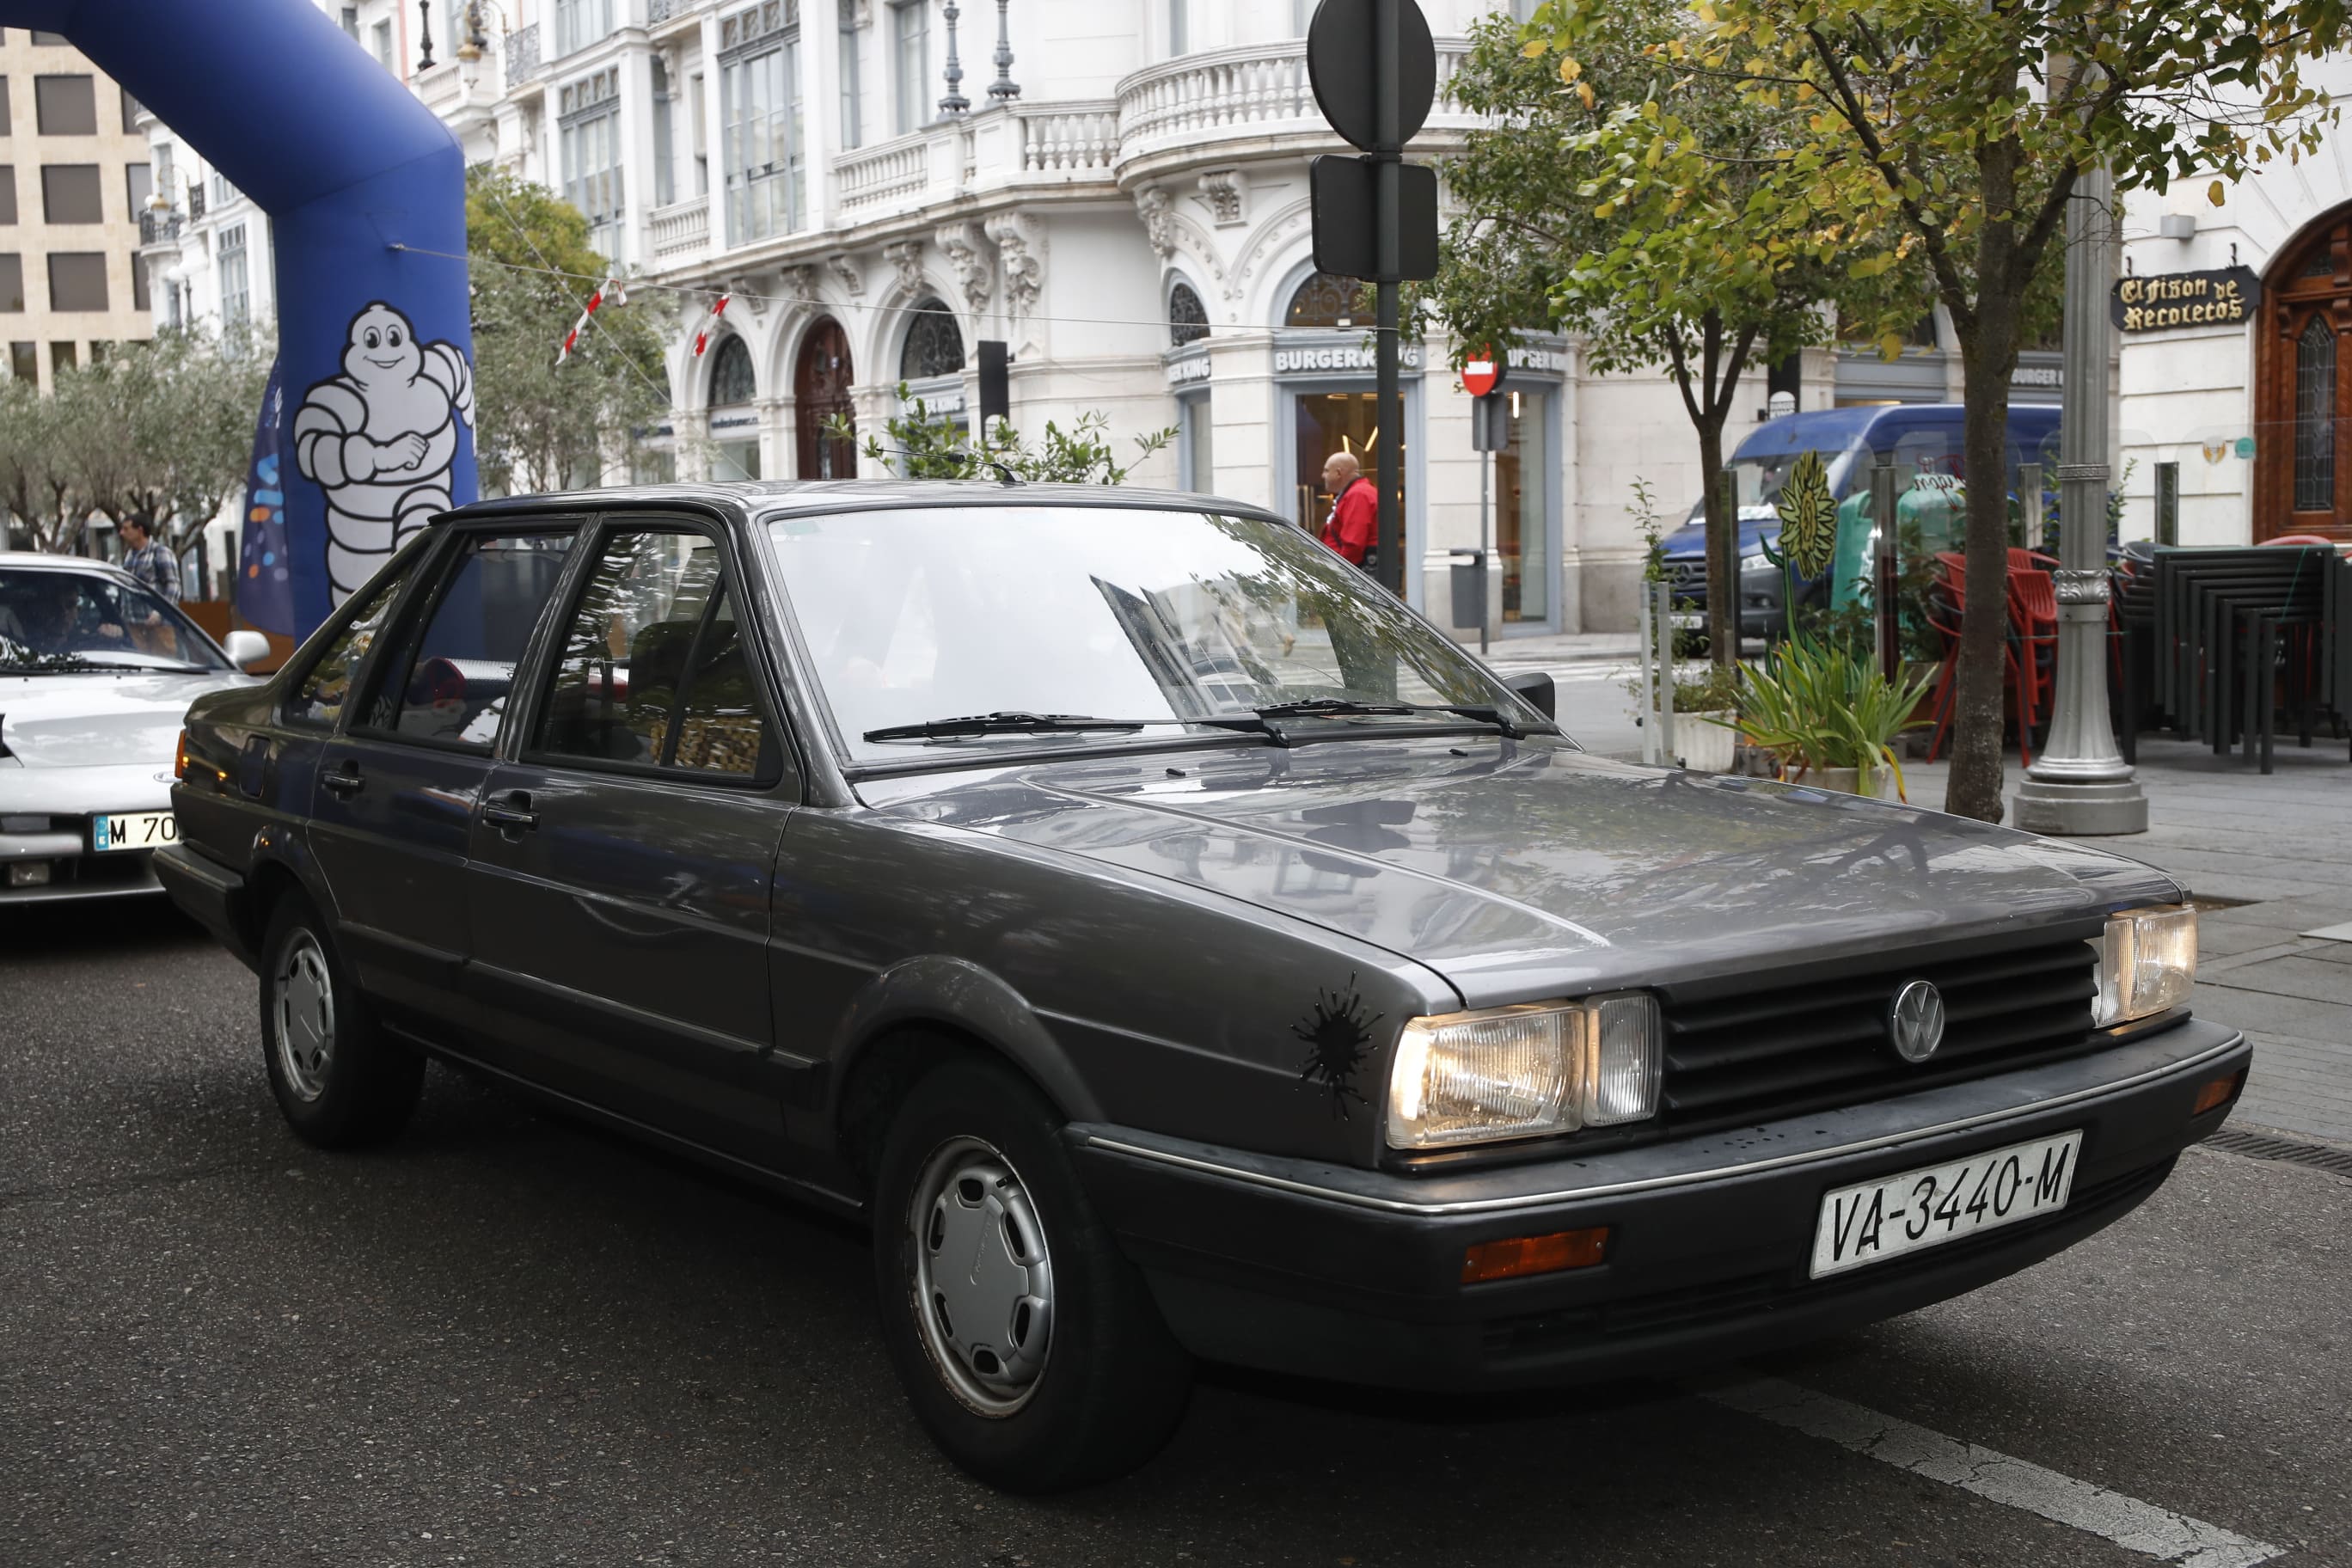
column 369, row 427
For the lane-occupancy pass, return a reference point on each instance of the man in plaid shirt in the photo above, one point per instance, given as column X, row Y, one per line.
column 152, row 562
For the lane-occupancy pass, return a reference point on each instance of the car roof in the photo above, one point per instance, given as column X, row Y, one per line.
column 758, row 500
column 1825, row 429
column 35, row 558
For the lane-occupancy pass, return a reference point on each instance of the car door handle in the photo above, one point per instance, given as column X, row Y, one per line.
column 512, row 815
column 344, row 783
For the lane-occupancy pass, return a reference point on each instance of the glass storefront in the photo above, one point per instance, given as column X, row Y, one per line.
column 1329, row 422
column 735, row 460
column 1196, row 454
column 1522, row 510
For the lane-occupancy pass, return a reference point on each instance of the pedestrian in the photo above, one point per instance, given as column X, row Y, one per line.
column 152, row 562
column 1353, row 528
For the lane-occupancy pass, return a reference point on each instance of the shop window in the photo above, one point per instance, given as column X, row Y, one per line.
column 78, row 280
column 934, row 343
column 1188, row 321
column 1522, row 510
column 1195, row 433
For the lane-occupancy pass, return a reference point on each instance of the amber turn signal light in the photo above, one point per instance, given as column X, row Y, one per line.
column 2221, row 1091
column 180, row 757
column 1524, row 1255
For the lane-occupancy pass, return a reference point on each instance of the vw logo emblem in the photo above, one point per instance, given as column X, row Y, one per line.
column 1915, row 1021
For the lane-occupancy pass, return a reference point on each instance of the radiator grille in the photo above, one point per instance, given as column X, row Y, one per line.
column 1804, row 1043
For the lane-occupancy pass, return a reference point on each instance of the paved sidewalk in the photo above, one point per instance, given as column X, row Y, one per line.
column 2273, row 857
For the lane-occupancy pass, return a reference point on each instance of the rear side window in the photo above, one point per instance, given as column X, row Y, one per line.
column 653, row 672
column 447, row 680
column 319, row 699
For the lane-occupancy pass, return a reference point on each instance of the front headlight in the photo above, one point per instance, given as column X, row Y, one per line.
column 1760, row 562
column 2148, row 961
column 1524, row 1071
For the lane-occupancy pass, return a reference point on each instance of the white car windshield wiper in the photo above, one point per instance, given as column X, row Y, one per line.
column 1005, row 723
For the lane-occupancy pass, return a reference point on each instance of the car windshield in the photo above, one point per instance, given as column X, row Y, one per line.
column 57, row 621
column 1068, row 612
column 1760, row 477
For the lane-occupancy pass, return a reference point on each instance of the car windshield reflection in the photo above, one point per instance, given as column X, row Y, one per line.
column 923, row 623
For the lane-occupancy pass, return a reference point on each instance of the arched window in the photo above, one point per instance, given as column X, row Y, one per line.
column 730, row 373
column 1187, row 322
column 934, row 343
column 1323, row 300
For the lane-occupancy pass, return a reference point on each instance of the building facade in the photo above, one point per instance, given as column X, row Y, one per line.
column 1117, row 189
column 74, row 185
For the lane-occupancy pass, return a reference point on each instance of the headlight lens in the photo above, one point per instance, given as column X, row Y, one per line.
column 2148, row 961
column 1757, row 563
column 1523, row 1072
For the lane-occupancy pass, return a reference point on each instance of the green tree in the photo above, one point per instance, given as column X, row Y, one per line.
column 199, row 397
column 33, row 485
column 1949, row 135
column 926, row 444
column 538, row 424
column 1704, row 286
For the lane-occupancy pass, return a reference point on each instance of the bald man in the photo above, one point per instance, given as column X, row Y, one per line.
column 1353, row 527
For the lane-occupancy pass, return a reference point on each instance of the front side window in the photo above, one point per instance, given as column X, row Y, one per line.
column 447, row 679
column 320, row 697
column 653, row 672
column 760, row 101
column 910, row 64
column 55, row 622
column 1161, row 619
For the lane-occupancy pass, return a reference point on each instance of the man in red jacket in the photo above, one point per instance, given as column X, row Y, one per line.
column 1353, row 527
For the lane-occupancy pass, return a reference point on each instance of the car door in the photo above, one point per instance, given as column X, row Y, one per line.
column 621, row 860
column 393, row 807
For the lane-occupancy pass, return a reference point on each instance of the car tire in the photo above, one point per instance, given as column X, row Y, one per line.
column 1062, row 1372
column 339, row 1081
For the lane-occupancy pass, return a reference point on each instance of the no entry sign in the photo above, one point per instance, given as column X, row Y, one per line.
column 1482, row 375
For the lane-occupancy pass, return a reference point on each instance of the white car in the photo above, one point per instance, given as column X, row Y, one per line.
column 96, row 673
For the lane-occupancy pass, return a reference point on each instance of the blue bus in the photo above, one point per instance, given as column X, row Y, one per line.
column 1926, row 437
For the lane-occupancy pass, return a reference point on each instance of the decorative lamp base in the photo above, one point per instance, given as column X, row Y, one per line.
column 2079, row 810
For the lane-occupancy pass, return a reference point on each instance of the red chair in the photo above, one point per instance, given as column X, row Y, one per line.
column 2033, row 649
column 2295, row 539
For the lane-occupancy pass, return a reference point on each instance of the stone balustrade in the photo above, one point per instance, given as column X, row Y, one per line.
column 679, row 228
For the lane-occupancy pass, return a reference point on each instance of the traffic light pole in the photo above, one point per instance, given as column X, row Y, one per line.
column 1388, row 149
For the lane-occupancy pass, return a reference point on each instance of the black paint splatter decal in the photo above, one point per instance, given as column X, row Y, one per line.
column 1338, row 1036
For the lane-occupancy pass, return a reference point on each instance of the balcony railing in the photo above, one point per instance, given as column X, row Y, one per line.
column 1251, row 90
column 679, row 228
column 195, row 201
column 887, row 173
column 522, row 55
column 1073, row 139
column 158, row 228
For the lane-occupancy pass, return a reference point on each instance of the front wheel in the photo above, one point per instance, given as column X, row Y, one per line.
column 1030, row 1347
column 340, row 1082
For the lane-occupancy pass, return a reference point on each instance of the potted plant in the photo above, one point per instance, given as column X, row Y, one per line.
column 1830, row 716
column 1707, row 696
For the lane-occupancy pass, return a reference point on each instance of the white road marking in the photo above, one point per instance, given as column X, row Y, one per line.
column 2130, row 1523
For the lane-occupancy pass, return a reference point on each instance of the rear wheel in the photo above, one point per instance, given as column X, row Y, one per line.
column 1030, row 1347
column 340, row 1081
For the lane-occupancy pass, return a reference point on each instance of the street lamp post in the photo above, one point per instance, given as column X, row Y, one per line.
column 2080, row 784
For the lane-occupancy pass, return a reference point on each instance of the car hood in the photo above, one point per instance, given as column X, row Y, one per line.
column 1521, row 870
column 1757, row 524
column 98, row 720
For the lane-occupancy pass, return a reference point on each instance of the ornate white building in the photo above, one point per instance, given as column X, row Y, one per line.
column 1115, row 188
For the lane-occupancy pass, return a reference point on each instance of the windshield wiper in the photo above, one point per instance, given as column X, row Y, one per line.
column 1005, row 723
column 1344, row 707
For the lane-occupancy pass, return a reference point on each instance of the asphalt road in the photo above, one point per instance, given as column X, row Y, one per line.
column 508, row 1339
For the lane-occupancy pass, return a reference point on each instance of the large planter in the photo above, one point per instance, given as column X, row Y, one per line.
column 1706, row 747
column 1878, row 784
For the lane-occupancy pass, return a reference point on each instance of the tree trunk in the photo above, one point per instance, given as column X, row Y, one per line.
column 1722, row 545
column 1988, row 354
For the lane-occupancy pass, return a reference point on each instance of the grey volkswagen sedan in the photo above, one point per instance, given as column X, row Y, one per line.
column 1172, row 947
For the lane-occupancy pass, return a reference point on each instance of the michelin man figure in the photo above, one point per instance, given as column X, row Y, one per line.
column 380, row 438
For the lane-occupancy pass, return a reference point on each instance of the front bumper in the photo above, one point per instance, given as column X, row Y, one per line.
column 1355, row 1275
column 66, row 797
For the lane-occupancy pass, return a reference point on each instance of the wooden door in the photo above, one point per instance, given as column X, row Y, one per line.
column 2303, row 389
column 821, row 382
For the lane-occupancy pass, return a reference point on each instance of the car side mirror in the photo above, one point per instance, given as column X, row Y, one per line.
column 245, row 649
column 1536, row 687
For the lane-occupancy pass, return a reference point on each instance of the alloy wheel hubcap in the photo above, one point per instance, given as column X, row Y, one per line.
column 305, row 1017
column 983, row 1281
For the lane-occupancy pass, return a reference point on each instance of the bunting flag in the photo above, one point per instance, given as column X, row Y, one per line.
column 611, row 289
column 702, row 338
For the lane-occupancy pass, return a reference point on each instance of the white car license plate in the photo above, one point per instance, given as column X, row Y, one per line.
column 133, row 830
column 1882, row 1219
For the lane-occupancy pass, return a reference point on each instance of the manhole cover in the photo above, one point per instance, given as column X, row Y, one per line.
column 2255, row 1146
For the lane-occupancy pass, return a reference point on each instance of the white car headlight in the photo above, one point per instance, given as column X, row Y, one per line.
column 2148, row 961
column 1524, row 1071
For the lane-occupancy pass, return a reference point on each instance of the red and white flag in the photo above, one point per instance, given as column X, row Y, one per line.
column 610, row 289
column 702, row 338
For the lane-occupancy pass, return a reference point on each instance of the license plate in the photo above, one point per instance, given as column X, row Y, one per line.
column 134, row 830
column 1878, row 1220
